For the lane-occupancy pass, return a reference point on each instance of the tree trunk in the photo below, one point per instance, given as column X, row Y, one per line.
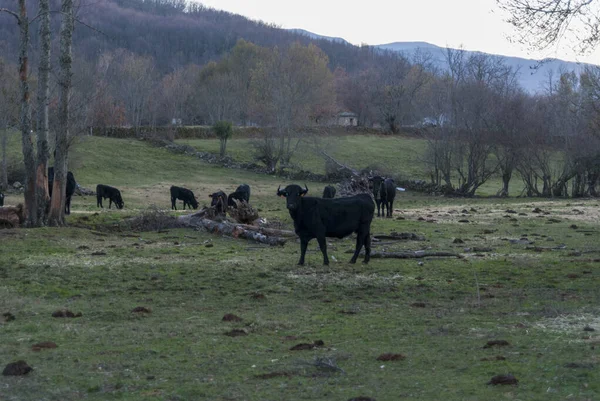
column 4, row 144
column 43, row 95
column 57, row 206
column 26, row 138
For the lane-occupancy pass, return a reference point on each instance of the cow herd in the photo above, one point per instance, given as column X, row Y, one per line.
column 313, row 217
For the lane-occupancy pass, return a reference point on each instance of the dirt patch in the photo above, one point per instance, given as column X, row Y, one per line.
column 230, row 317
column 306, row 347
column 43, row 345
column 236, row 333
column 495, row 358
column 8, row 317
column 273, row 375
column 257, row 295
column 391, row 357
column 496, row 343
column 504, row 379
column 418, row 304
column 18, row 368
column 361, row 398
column 141, row 309
column 66, row 313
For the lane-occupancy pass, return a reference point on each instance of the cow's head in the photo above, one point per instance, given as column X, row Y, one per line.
column 194, row 203
column 293, row 194
column 119, row 202
column 375, row 183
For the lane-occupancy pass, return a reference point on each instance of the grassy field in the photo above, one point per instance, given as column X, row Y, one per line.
column 529, row 278
column 400, row 156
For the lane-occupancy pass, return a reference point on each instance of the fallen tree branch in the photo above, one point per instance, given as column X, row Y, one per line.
column 400, row 236
column 225, row 228
column 268, row 231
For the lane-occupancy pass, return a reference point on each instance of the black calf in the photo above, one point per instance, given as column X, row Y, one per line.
column 185, row 195
column 329, row 192
column 113, row 195
column 242, row 193
column 219, row 201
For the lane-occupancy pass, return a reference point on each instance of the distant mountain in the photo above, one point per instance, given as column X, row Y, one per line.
column 311, row 35
column 533, row 74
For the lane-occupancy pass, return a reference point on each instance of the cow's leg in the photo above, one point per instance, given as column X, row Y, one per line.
column 68, row 205
column 173, row 203
column 303, row 246
column 98, row 201
column 323, row 246
column 110, row 202
column 378, row 206
column 360, row 239
column 367, row 247
column 391, row 208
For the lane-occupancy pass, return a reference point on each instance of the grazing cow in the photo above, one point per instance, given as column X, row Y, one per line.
column 1, row 199
column 320, row 218
column 376, row 183
column 242, row 193
column 185, row 195
column 388, row 193
column 113, row 195
column 329, row 192
column 219, row 201
column 71, row 186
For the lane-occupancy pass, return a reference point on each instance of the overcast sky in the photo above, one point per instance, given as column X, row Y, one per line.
column 474, row 24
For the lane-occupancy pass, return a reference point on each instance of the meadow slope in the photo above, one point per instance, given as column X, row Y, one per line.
column 527, row 272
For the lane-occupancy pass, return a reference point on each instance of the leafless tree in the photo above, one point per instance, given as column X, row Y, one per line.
column 42, row 196
column 542, row 23
column 9, row 113
column 57, row 206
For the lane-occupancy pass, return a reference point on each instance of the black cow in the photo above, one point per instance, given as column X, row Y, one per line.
column 71, row 186
column 113, row 195
column 219, row 201
column 376, row 183
column 329, row 192
column 242, row 193
column 388, row 193
column 1, row 199
column 320, row 218
column 185, row 195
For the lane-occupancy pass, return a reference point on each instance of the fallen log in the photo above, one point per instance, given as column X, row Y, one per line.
column 400, row 236
column 268, row 231
column 410, row 255
column 225, row 228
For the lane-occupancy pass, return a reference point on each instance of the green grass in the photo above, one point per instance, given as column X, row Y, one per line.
column 538, row 301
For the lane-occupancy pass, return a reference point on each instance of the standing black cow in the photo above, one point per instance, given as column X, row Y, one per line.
column 71, row 186
column 113, row 195
column 185, row 195
column 219, row 201
column 329, row 192
column 388, row 193
column 377, row 183
column 320, row 218
column 1, row 199
column 242, row 193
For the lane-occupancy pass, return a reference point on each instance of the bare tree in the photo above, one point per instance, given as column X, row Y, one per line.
column 9, row 113
column 542, row 23
column 42, row 129
column 25, row 114
column 57, row 206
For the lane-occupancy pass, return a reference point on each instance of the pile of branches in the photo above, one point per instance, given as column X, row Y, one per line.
column 153, row 219
column 358, row 184
column 243, row 212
